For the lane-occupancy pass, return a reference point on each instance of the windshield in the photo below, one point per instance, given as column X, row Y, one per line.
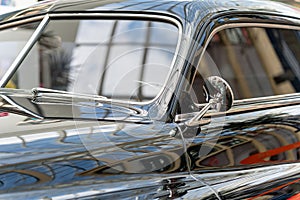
column 119, row 59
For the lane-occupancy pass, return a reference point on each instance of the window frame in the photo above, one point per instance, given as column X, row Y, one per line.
column 242, row 25
column 71, row 16
column 237, row 20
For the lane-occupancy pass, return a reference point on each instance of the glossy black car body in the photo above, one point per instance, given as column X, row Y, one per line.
column 67, row 146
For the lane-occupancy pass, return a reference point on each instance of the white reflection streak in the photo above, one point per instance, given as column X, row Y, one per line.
column 154, row 85
column 253, row 177
column 184, row 142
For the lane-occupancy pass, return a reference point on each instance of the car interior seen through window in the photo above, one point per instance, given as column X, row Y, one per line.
column 256, row 61
column 119, row 59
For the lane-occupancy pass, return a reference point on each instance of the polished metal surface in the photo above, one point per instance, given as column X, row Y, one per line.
column 58, row 153
column 69, row 146
column 219, row 97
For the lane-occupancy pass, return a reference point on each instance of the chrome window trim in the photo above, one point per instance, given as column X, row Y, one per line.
column 239, row 25
column 21, row 56
column 21, row 22
column 266, row 99
column 49, row 17
column 242, row 25
column 249, row 24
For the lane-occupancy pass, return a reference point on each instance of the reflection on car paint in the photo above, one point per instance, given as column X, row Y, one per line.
column 59, row 146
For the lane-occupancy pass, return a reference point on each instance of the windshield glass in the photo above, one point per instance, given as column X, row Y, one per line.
column 119, row 59
column 12, row 40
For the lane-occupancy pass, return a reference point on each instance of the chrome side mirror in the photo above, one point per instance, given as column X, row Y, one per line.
column 219, row 96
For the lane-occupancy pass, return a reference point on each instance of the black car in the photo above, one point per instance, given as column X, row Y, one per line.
column 129, row 99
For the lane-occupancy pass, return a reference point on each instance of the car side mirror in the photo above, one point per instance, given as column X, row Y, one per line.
column 219, row 97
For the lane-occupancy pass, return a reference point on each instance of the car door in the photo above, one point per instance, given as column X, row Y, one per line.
column 252, row 150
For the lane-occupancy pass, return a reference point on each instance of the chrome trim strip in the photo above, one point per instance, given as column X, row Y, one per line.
column 21, row 22
column 249, row 24
column 282, row 97
column 20, row 107
column 269, row 100
column 21, row 56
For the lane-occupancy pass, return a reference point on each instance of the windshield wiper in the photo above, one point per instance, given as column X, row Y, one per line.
column 58, row 97
column 45, row 103
column 52, row 94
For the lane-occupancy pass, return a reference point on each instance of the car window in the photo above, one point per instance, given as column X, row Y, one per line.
column 256, row 61
column 119, row 59
column 12, row 40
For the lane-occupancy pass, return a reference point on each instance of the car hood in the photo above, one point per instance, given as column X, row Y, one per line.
column 52, row 149
column 45, row 155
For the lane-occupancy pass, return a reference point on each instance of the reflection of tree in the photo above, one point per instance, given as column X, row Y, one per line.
column 54, row 62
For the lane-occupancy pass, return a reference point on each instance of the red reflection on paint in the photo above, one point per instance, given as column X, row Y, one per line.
column 3, row 114
column 295, row 197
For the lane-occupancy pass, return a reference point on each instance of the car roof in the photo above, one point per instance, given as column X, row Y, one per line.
column 184, row 10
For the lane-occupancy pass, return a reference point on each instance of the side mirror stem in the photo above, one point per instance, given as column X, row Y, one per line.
column 195, row 120
column 219, row 96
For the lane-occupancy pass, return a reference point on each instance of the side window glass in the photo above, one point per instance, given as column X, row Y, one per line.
column 256, row 62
